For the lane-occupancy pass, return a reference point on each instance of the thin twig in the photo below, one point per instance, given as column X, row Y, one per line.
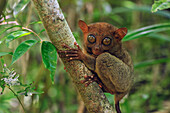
column 17, row 98
column 32, row 32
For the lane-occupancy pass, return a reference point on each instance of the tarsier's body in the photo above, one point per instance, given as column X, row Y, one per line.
column 103, row 55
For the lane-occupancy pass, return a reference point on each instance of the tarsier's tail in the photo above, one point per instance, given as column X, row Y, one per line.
column 117, row 107
column 117, row 98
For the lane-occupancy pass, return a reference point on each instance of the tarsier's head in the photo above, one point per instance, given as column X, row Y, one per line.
column 101, row 37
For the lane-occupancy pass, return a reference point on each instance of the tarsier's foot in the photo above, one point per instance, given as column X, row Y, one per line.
column 89, row 79
column 94, row 78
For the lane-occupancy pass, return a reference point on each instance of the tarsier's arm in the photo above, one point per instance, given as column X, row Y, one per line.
column 116, row 75
column 77, row 54
column 89, row 61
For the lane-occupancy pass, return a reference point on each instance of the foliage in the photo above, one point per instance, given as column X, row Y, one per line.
column 160, row 5
column 49, row 53
column 22, row 48
column 49, row 56
column 20, row 7
column 9, row 78
column 146, row 30
column 22, row 36
column 151, row 62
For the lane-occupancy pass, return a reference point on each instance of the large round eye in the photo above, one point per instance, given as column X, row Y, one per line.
column 106, row 41
column 91, row 38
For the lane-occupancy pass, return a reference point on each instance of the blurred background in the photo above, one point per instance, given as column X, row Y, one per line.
column 150, row 54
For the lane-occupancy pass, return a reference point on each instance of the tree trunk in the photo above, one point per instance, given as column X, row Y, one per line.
column 60, row 33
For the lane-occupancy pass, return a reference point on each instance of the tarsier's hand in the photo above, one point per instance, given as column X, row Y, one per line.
column 71, row 53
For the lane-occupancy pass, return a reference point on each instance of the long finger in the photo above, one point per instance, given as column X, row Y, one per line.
column 73, row 58
column 88, row 83
column 66, row 46
column 68, row 52
column 83, row 81
column 71, row 55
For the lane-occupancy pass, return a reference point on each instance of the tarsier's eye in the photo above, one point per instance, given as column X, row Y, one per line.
column 91, row 38
column 106, row 41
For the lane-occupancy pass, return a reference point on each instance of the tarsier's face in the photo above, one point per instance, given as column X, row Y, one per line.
column 101, row 37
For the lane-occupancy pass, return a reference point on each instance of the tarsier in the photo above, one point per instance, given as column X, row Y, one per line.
column 104, row 55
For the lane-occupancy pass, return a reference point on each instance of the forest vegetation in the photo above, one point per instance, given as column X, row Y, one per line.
column 27, row 81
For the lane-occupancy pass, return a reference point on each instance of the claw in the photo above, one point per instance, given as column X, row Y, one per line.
column 83, row 81
column 88, row 83
column 85, row 76
column 73, row 58
column 92, row 77
column 64, row 45
column 100, row 86
column 75, row 43
column 71, row 55
column 88, row 79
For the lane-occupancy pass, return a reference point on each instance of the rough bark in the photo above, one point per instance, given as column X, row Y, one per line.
column 60, row 33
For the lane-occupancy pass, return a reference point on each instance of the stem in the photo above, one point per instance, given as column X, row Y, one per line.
column 17, row 98
column 32, row 32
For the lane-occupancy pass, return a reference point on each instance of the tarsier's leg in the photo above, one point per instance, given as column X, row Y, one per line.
column 114, row 73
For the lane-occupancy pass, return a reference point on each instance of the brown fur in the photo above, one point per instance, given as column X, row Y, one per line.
column 114, row 69
column 110, row 62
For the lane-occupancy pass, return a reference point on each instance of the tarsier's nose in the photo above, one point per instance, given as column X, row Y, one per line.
column 96, row 48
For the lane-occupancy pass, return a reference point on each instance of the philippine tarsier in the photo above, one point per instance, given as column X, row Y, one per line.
column 104, row 55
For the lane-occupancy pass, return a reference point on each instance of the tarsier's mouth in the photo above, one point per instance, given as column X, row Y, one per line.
column 96, row 53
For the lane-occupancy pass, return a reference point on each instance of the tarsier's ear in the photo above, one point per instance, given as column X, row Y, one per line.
column 120, row 33
column 83, row 26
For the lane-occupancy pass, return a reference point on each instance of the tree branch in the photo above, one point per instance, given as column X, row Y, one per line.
column 60, row 33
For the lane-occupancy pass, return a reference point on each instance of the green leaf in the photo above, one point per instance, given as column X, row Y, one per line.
column 146, row 31
column 22, row 48
column 2, row 40
column 151, row 62
column 15, row 35
column 159, row 36
column 20, row 7
column 2, row 82
column 142, row 8
column 37, row 22
column 4, row 30
column 5, row 53
column 41, row 31
column 160, row 5
column 49, row 57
